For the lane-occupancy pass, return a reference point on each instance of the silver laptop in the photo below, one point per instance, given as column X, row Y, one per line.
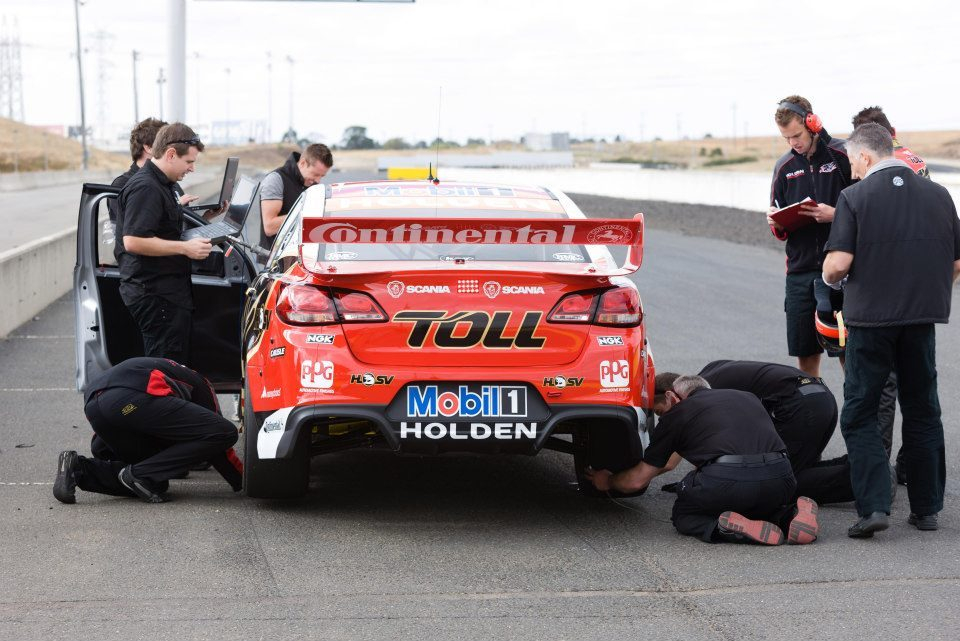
column 232, row 223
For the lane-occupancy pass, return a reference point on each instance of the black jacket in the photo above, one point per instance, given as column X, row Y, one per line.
column 821, row 177
column 292, row 188
column 904, row 235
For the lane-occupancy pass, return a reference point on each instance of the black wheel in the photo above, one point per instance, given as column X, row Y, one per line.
column 605, row 445
column 271, row 478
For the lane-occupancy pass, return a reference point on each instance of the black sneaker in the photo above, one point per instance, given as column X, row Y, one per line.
column 65, row 485
column 926, row 522
column 867, row 525
column 138, row 487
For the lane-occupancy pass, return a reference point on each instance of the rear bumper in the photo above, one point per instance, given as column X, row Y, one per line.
column 283, row 431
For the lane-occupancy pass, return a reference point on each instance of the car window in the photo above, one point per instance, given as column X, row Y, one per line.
column 288, row 238
column 106, row 235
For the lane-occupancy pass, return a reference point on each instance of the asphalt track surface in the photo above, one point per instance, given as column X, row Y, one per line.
column 460, row 547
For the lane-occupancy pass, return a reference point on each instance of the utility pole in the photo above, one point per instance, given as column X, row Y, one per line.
column 734, row 108
column 196, row 80
column 227, row 111
column 269, row 96
column 136, row 102
column 176, row 58
column 160, row 81
column 290, row 60
column 83, row 110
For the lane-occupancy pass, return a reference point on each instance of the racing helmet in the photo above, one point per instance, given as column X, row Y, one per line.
column 831, row 332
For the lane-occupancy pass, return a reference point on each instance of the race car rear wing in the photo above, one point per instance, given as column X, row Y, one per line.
column 476, row 231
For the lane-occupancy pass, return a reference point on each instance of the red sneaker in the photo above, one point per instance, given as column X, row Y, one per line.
column 734, row 526
column 804, row 527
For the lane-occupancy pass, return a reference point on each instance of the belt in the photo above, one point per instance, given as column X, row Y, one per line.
column 750, row 458
column 810, row 385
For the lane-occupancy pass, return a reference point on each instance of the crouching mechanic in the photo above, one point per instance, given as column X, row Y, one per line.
column 742, row 488
column 161, row 419
column 804, row 413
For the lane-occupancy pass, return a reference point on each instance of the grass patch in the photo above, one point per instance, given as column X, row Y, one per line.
column 736, row 160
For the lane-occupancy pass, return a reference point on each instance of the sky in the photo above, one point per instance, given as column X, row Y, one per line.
column 498, row 68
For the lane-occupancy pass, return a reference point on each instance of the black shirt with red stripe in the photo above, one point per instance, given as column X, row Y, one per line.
column 821, row 177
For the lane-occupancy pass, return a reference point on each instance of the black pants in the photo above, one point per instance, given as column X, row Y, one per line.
column 887, row 415
column 872, row 353
column 806, row 423
column 763, row 492
column 161, row 436
column 165, row 327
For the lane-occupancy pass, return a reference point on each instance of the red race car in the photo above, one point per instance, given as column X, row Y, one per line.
column 432, row 318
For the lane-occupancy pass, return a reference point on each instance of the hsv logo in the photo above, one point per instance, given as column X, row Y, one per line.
column 606, row 341
column 614, row 373
column 613, row 234
column 369, row 379
column 479, row 326
column 395, row 288
column 316, row 374
column 562, row 381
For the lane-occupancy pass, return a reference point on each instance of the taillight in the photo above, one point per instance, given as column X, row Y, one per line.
column 620, row 307
column 355, row 307
column 306, row 305
column 574, row 308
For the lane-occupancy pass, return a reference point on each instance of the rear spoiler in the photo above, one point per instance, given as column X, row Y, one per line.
column 483, row 231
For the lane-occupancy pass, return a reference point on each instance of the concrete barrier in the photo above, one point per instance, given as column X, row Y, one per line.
column 33, row 179
column 35, row 275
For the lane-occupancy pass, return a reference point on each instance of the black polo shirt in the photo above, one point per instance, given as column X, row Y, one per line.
column 148, row 209
column 113, row 205
column 710, row 423
column 904, row 235
column 821, row 177
column 770, row 382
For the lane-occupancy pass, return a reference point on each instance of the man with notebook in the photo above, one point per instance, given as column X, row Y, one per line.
column 154, row 262
column 815, row 167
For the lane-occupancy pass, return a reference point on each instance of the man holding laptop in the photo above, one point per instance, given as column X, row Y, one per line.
column 154, row 261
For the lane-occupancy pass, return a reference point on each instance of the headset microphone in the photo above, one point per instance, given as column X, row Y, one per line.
column 810, row 120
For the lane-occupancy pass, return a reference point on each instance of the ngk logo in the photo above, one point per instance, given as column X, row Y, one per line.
column 316, row 374
column 614, row 374
column 467, row 329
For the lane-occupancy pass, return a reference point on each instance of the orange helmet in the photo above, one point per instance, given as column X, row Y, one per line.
column 831, row 332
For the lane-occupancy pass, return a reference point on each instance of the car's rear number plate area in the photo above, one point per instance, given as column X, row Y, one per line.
column 467, row 411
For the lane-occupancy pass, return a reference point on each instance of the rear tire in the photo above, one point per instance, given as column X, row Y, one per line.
column 605, row 445
column 271, row 478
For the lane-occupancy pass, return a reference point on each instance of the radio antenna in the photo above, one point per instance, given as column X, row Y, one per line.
column 435, row 178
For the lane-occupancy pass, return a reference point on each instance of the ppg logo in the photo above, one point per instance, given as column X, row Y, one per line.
column 316, row 374
column 614, row 373
column 491, row 400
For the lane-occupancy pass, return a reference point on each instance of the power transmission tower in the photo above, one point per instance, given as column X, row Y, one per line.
column 102, row 40
column 11, row 76
column 160, row 81
column 136, row 97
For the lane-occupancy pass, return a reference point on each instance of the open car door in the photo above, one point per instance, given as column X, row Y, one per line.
column 106, row 333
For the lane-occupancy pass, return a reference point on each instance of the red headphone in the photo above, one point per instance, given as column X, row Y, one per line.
column 810, row 120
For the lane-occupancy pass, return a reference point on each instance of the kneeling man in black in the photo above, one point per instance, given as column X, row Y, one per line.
column 160, row 419
column 743, row 486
